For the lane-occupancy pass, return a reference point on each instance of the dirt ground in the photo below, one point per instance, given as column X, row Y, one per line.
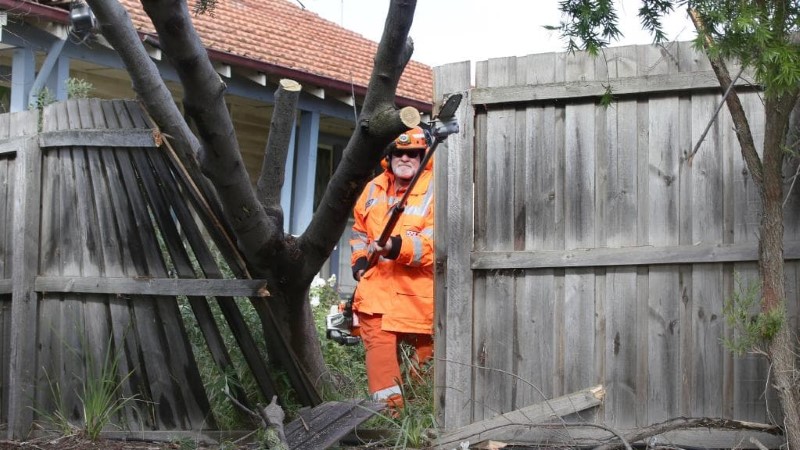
column 79, row 443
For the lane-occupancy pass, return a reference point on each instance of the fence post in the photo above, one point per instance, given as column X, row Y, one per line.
column 453, row 288
column 24, row 299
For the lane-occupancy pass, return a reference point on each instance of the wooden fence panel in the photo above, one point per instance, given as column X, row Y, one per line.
column 551, row 239
column 6, row 217
column 454, row 315
column 534, row 318
column 6, row 238
column 617, row 200
column 495, row 358
column 24, row 305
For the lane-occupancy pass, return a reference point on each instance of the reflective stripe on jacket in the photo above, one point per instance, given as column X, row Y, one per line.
column 400, row 289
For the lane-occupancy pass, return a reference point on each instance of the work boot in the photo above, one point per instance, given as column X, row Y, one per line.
column 394, row 404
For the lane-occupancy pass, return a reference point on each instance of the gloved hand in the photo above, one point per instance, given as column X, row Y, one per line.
column 380, row 250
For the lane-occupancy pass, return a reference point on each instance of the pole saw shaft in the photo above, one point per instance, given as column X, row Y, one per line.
column 400, row 206
column 448, row 125
column 340, row 324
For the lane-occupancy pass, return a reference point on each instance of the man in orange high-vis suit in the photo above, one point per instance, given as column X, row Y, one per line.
column 394, row 298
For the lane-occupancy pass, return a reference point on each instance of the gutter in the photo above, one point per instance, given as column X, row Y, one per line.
column 316, row 80
column 52, row 14
column 24, row 8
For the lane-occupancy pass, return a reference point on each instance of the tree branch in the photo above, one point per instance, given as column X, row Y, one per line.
column 116, row 27
column 118, row 30
column 682, row 423
column 713, row 118
column 379, row 123
column 270, row 182
column 741, row 125
column 221, row 160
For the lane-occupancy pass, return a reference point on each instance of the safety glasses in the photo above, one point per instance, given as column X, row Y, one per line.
column 411, row 153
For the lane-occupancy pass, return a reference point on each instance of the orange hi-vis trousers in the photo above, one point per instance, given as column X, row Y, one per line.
column 383, row 365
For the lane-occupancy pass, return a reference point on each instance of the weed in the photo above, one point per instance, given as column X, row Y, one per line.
column 184, row 444
column 102, row 392
column 752, row 327
column 58, row 418
column 100, row 396
column 78, row 88
column 345, row 363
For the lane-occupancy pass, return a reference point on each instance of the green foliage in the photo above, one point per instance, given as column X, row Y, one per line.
column 218, row 383
column 651, row 13
column 590, row 25
column 101, row 397
column 102, row 394
column 345, row 364
column 205, row 6
column 44, row 98
column 78, row 88
column 415, row 425
column 184, row 444
column 758, row 34
column 417, row 418
column 607, row 98
column 752, row 327
column 58, row 418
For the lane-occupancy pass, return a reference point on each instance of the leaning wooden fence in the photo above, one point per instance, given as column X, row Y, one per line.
column 102, row 232
column 583, row 245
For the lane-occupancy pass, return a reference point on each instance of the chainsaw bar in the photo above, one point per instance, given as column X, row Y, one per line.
column 449, row 108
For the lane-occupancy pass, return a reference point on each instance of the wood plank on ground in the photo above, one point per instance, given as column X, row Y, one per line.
column 515, row 423
column 324, row 425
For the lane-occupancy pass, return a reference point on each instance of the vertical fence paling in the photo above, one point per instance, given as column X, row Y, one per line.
column 556, row 175
column 24, row 249
column 454, row 282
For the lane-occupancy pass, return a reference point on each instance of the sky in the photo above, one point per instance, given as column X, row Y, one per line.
column 446, row 31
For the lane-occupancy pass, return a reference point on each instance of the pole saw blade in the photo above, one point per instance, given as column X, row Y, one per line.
column 449, row 108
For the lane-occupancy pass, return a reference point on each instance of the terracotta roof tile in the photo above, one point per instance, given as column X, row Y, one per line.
column 281, row 33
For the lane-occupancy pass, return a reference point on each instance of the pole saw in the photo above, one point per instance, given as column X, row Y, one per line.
column 340, row 321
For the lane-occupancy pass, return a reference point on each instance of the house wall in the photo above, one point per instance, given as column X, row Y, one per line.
column 321, row 123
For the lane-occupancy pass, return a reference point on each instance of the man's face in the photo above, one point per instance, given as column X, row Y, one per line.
column 405, row 163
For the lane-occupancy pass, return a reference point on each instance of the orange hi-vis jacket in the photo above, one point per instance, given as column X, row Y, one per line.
column 400, row 285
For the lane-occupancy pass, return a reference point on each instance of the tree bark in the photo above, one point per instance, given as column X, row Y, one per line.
column 767, row 176
column 255, row 218
column 270, row 182
column 257, row 234
column 771, row 263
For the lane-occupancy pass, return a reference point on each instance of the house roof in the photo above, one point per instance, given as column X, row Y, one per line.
column 278, row 37
column 285, row 36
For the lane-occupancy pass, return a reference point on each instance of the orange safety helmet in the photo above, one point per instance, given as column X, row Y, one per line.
column 411, row 139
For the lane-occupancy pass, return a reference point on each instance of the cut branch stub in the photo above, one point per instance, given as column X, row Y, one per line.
column 290, row 85
column 410, row 116
column 392, row 122
column 270, row 182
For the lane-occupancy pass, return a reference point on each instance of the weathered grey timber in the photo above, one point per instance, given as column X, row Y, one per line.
column 582, row 246
column 102, row 235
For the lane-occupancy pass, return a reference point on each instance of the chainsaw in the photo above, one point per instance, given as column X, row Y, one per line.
column 341, row 323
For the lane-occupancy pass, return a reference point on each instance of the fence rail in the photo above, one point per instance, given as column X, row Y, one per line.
column 581, row 245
